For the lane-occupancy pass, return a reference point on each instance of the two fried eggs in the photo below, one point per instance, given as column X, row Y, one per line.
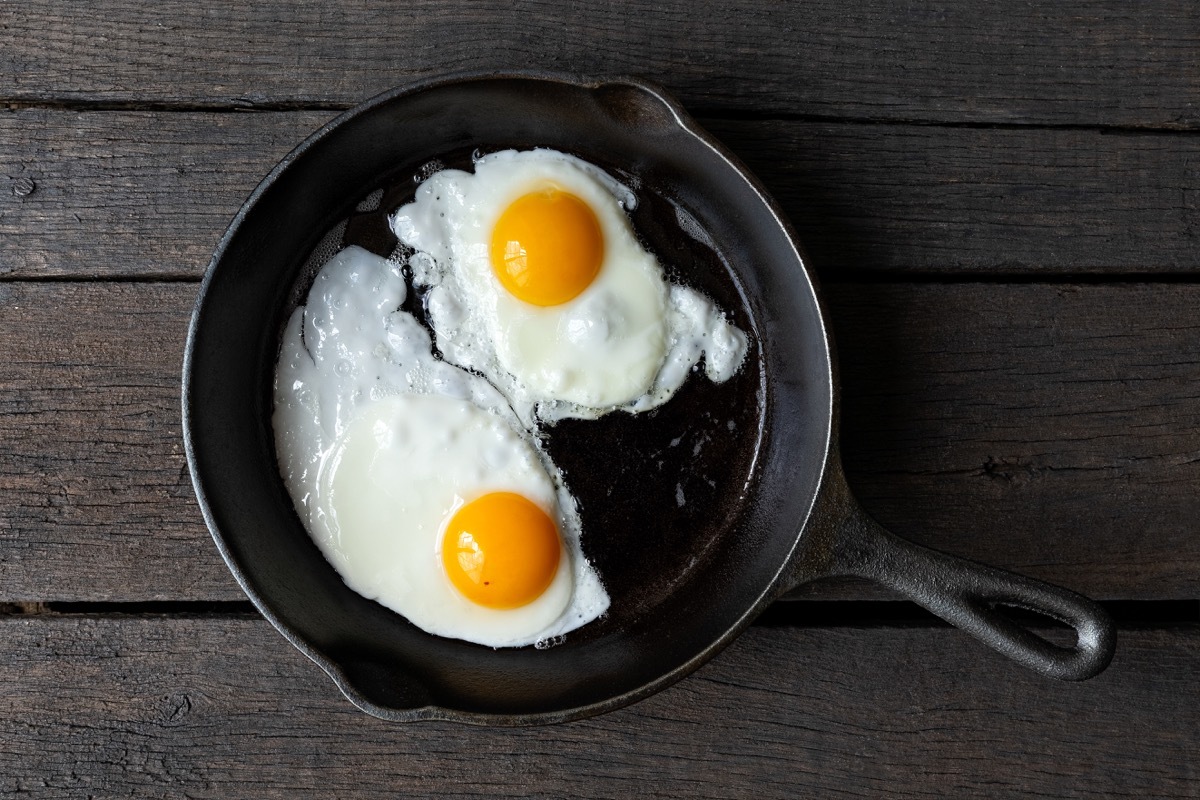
column 421, row 475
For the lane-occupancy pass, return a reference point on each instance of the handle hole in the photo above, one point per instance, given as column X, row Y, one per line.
column 1052, row 629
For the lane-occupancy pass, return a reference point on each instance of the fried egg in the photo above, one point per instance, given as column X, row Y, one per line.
column 415, row 478
column 536, row 280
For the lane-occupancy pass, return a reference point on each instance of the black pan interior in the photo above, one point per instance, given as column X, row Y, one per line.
column 657, row 489
column 745, row 456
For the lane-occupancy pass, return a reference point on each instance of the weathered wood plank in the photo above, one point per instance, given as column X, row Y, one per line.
column 135, row 194
column 113, row 194
column 899, row 199
column 1050, row 429
column 1072, row 62
column 93, row 480
column 225, row 708
column 1018, row 423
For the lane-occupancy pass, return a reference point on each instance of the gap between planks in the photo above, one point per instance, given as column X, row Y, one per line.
column 1127, row 614
column 707, row 112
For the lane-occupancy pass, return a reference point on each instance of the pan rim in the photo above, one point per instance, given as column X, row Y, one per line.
column 772, row 589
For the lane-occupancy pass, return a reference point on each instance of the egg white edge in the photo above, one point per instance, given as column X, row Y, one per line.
column 691, row 314
column 583, row 572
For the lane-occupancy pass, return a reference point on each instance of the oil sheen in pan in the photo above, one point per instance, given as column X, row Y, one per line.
column 655, row 490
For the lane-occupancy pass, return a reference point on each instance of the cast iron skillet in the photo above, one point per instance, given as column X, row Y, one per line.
column 698, row 516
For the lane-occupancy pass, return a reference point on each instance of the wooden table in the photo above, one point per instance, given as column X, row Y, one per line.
column 1003, row 203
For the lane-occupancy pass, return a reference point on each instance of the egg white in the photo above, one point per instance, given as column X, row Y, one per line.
column 387, row 517
column 626, row 342
column 379, row 442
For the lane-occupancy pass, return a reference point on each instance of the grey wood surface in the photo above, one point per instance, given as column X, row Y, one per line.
column 223, row 707
column 879, row 199
column 1093, row 63
column 1002, row 202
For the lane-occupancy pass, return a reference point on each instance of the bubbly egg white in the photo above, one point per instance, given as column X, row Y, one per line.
column 626, row 342
column 379, row 442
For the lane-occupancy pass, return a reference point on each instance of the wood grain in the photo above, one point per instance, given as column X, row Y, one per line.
column 120, row 194
column 225, row 708
column 96, row 499
column 1039, row 412
column 130, row 195
column 1018, row 423
column 899, row 199
column 1050, row 429
column 1094, row 63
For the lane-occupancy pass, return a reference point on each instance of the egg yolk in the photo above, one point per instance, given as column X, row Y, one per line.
column 501, row 550
column 547, row 247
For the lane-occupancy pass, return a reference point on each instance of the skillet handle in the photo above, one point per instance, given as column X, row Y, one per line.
column 967, row 594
